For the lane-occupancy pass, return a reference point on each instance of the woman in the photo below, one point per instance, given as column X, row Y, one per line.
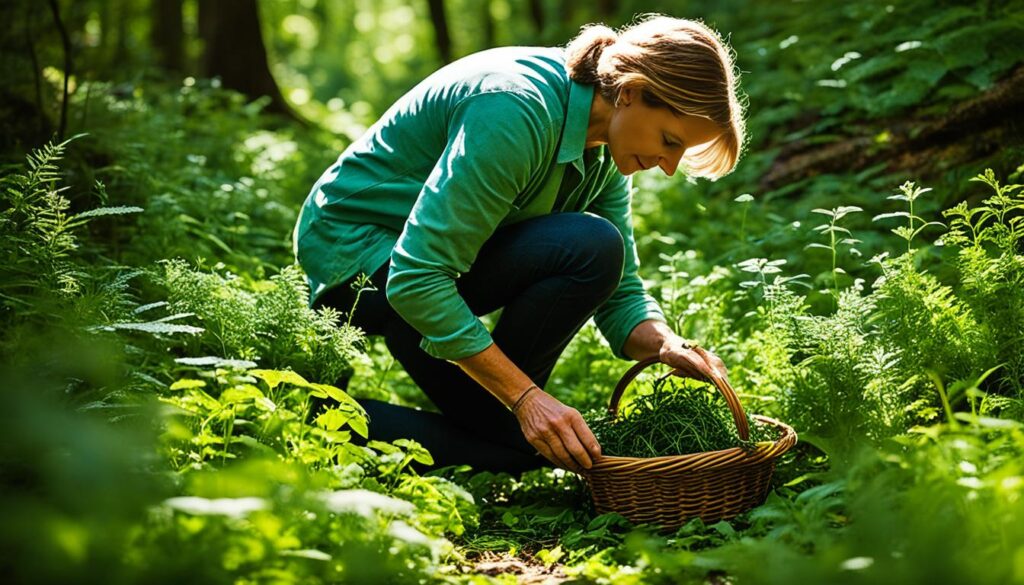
column 500, row 181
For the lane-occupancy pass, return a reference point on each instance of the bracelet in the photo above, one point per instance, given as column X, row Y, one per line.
column 519, row 401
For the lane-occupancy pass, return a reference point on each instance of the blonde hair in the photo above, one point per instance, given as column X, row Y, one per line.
column 679, row 64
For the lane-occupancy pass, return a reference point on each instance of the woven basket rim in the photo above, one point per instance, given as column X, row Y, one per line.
column 724, row 458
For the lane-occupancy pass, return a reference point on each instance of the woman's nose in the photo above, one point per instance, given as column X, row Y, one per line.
column 669, row 162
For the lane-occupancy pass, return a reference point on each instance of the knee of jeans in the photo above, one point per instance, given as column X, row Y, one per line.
column 605, row 252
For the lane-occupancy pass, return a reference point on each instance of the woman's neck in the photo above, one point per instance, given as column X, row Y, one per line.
column 600, row 117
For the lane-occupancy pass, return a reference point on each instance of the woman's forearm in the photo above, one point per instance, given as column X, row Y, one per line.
column 492, row 369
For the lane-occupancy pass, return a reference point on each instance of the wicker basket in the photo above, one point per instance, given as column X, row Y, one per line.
column 673, row 489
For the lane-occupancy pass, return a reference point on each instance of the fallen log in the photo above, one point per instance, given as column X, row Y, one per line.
column 972, row 130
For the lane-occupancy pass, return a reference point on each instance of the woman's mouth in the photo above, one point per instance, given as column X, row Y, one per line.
column 639, row 162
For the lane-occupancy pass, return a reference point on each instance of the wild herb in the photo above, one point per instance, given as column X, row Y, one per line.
column 909, row 192
column 837, row 236
column 673, row 419
column 266, row 320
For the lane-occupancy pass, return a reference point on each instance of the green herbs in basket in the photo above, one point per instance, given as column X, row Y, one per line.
column 673, row 419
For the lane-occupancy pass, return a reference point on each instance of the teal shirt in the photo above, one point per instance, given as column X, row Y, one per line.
column 489, row 140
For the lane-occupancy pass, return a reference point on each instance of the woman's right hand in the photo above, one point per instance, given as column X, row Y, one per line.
column 558, row 432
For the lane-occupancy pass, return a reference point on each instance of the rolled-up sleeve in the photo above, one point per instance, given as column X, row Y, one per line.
column 495, row 142
column 630, row 304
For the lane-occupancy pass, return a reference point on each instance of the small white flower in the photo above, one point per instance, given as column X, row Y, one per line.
column 231, row 507
column 365, row 503
column 856, row 563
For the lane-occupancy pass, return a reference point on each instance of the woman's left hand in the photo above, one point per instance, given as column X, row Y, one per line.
column 691, row 360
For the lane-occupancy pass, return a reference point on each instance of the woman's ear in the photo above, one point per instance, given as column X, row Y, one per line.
column 626, row 96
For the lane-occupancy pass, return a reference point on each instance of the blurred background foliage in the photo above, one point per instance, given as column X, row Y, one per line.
column 159, row 359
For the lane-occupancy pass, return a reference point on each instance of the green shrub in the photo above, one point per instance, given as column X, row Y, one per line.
column 267, row 320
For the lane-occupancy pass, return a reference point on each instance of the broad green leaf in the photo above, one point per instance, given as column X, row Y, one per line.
column 357, row 422
column 266, row 404
column 240, row 393
column 416, row 451
column 331, row 419
column 275, row 377
column 340, row 395
column 341, row 437
column 382, row 447
column 101, row 211
column 186, row 383
column 903, row 232
column 306, row 553
column 155, row 328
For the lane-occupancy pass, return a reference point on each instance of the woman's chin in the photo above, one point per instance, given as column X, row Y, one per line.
column 631, row 166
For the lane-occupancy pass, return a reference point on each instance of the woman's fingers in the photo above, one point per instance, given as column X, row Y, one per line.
column 543, row 449
column 713, row 361
column 575, row 448
column 555, row 443
column 558, row 432
column 688, row 363
column 586, row 437
column 694, row 362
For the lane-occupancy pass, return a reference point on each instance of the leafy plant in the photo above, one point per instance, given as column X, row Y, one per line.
column 39, row 232
column 264, row 320
column 837, row 236
column 991, row 267
column 909, row 192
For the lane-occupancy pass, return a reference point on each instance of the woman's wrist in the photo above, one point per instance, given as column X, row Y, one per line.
column 522, row 398
column 497, row 374
column 649, row 339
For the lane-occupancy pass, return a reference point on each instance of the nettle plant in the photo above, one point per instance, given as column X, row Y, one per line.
column 838, row 236
column 909, row 192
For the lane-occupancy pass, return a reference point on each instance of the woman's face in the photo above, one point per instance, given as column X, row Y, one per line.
column 642, row 137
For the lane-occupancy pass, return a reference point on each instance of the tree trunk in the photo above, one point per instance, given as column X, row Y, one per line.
column 68, row 68
column 487, row 20
column 441, row 36
column 168, row 34
column 537, row 15
column 124, row 15
column 234, row 51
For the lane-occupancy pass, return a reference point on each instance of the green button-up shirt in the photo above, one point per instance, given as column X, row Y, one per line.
column 489, row 140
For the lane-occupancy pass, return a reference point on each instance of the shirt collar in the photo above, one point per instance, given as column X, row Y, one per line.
column 577, row 118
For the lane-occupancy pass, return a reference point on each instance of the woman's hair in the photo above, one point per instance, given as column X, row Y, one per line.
column 679, row 64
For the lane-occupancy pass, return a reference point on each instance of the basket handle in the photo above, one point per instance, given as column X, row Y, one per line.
column 738, row 415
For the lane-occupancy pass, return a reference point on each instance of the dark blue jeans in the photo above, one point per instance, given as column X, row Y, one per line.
column 549, row 275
